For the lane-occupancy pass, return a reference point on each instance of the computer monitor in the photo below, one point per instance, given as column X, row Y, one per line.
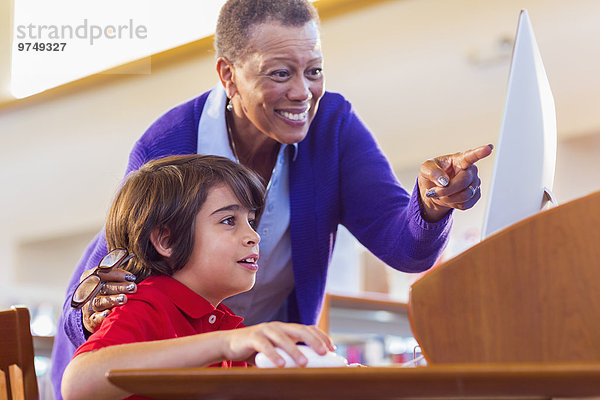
column 526, row 150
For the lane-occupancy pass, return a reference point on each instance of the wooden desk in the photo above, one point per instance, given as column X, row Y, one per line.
column 499, row 381
column 526, row 294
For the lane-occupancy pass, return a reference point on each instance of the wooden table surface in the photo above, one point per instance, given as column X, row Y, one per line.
column 490, row 381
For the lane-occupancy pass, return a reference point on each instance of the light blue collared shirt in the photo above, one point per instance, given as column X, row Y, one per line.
column 266, row 301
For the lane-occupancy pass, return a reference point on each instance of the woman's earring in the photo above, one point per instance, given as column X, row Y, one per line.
column 229, row 105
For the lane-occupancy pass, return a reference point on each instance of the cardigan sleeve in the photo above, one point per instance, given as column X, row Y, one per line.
column 378, row 210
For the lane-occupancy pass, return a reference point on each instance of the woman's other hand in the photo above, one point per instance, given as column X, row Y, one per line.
column 116, row 284
column 450, row 181
column 245, row 343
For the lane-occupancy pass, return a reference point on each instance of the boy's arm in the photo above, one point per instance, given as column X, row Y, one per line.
column 85, row 376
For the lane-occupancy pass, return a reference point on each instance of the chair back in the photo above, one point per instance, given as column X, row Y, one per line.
column 17, row 371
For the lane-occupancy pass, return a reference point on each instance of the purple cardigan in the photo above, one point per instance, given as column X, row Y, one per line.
column 340, row 176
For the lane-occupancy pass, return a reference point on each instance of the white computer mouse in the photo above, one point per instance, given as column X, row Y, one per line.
column 330, row 359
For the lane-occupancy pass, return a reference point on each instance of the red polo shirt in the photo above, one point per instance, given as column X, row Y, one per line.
column 162, row 308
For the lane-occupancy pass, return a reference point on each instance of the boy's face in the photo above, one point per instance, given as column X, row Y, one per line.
column 225, row 254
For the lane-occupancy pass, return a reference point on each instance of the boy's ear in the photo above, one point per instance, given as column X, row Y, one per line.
column 160, row 239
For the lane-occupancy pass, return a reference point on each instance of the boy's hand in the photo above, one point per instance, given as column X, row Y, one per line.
column 116, row 284
column 244, row 343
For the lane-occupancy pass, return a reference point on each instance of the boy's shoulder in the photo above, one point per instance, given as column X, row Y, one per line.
column 167, row 294
column 145, row 316
column 173, row 298
column 154, row 290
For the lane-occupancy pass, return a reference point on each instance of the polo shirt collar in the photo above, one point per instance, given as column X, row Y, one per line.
column 188, row 301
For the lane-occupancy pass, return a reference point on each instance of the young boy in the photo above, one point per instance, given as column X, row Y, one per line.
column 190, row 222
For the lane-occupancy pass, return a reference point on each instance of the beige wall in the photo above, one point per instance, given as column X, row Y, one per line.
column 407, row 66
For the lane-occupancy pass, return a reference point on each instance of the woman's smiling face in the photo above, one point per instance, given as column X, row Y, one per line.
column 279, row 82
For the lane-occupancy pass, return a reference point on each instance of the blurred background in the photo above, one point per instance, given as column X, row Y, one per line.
column 428, row 77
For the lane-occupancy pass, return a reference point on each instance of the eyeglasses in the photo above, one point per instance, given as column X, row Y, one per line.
column 91, row 285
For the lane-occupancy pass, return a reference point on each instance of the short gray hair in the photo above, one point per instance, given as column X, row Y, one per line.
column 237, row 17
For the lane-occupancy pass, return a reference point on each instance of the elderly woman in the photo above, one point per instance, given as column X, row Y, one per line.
column 271, row 113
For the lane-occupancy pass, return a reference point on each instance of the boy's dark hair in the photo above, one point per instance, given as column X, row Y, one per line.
column 237, row 17
column 167, row 194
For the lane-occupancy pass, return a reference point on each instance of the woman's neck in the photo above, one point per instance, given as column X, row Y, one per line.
column 253, row 148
